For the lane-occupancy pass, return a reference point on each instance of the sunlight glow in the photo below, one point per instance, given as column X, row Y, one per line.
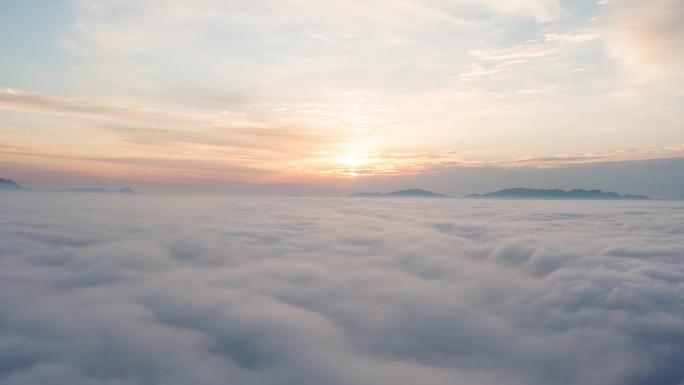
column 351, row 162
column 357, row 160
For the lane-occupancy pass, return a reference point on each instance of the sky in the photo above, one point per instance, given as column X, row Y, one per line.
column 302, row 96
column 104, row 289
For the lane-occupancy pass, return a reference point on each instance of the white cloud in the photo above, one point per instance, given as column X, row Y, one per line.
column 275, row 47
column 646, row 37
column 577, row 37
column 540, row 10
column 531, row 55
column 178, row 290
column 518, row 52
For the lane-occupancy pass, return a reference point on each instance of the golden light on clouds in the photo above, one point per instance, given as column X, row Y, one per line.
column 356, row 160
column 369, row 159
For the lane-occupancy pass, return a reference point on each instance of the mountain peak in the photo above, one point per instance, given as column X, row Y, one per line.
column 10, row 185
column 410, row 193
column 531, row 193
column 126, row 190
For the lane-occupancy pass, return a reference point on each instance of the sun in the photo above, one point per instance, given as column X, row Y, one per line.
column 351, row 163
column 351, row 160
column 358, row 160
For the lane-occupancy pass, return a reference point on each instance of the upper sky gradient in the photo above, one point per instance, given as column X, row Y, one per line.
column 212, row 94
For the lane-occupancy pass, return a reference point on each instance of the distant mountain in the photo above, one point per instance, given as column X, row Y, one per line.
column 412, row 193
column 97, row 190
column 10, row 185
column 531, row 193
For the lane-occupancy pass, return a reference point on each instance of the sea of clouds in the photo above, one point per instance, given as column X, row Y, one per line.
column 119, row 290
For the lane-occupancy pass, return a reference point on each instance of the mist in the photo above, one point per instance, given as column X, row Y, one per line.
column 110, row 289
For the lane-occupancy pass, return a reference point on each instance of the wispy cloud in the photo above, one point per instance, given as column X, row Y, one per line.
column 518, row 52
column 575, row 37
column 232, row 145
column 413, row 163
column 212, row 127
column 17, row 99
column 559, row 160
column 500, row 60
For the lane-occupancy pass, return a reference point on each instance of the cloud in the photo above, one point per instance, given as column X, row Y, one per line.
column 576, row 37
column 646, row 39
column 414, row 163
column 676, row 151
column 295, row 47
column 169, row 290
column 518, row 52
column 17, row 99
column 224, row 124
column 500, row 60
column 541, row 10
column 205, row 141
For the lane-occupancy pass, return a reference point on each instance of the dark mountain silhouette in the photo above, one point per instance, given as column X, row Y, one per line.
column 10, row 185
column 97, row 190
column 412, row 193
column 530, row 193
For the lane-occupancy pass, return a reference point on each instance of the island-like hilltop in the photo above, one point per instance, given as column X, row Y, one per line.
column 411, row 193
column 531, row 193
column 10, row 185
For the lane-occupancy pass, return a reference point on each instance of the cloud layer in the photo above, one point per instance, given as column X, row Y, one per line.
column 177, row 290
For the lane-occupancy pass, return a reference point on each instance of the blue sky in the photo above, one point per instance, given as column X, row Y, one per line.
column 298, row 92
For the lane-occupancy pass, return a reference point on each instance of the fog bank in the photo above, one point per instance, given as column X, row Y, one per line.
column 119, row 290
